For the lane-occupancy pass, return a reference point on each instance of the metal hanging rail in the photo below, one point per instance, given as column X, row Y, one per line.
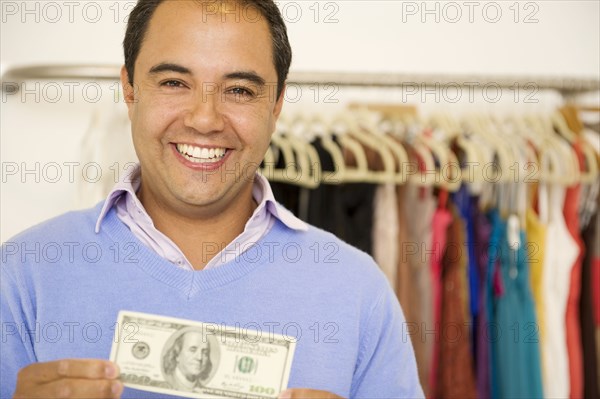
column 13, row 78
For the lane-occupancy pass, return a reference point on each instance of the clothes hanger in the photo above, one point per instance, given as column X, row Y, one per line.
column 280, row 149
column 447, row 162
column 451, row 132
column 360, row 172
column 558, row 161
column 363, row 128
column 591, row 163
column 377, row 125
column 308, row 163
column 353, row 137
column 413, row 126
column 520, row 140
column 502, row 157
column 316, row 127
column 512, row 189
column 566, row 153
column 474, row 153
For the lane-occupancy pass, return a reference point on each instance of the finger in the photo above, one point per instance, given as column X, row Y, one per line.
column 72, row 388
column 70, row 368
column 303, row 393
column 84, row 388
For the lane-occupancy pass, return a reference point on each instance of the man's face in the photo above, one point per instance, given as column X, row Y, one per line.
column 201, row 119
column 194, row 355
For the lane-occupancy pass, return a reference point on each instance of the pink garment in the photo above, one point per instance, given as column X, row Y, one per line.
column 441, row 220
column 132, row 213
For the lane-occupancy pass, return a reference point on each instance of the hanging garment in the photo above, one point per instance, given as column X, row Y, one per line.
column 536, row 240
column 588, row 327
column 287, row 195
column 594, row 250
column 572, row 318
column 467, row 205
column 441, row 220
column 385, row 231
column 107, row 154
column 417, row 206
column 345, row 210
column 517, row 371
column 403, row 286
column 482, row 230
column 560, row 253
column 456, row 376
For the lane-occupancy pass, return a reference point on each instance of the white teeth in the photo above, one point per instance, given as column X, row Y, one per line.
column 201, row 155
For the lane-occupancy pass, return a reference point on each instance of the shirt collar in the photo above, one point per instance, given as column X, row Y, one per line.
column 262, row 188
column 261, row 191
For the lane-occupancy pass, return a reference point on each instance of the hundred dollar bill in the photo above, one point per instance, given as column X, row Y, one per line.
column 200, row 360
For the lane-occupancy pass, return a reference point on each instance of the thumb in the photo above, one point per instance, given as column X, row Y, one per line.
column 306, row 394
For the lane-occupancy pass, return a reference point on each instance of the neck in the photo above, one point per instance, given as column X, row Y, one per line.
column 201, row 232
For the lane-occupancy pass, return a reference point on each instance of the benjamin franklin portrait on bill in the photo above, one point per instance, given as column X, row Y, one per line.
column 190, row 359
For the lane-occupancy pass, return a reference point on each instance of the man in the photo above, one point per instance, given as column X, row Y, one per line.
column 187, row 363
column 198, row 84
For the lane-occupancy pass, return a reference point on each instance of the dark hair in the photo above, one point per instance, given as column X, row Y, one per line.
column 141, row 14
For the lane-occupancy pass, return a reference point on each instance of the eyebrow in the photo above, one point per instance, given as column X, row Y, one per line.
column 166, row 67
column 250, row 76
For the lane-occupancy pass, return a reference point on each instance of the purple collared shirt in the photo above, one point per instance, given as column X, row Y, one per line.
column 131, row 212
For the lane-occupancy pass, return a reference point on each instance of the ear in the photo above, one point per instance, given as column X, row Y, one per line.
column 128, row 91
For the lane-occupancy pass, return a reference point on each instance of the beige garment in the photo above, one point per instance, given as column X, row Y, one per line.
column 416, row 207
column 385, row 231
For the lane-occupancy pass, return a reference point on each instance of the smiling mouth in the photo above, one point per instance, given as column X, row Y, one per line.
column 201, row 155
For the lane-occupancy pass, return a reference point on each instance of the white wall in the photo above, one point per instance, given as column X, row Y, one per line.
column 544, row 38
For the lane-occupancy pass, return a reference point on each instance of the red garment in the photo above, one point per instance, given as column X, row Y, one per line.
column 572, row 319
column 441, row 219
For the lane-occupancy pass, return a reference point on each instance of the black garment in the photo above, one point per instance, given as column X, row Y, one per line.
column 345, row 210
column 286, row 194
column 586, row 308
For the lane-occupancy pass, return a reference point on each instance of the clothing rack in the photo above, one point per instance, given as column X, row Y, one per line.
column 14, row 77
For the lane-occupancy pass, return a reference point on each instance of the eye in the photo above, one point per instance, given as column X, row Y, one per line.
column 241, row 91
column 172, row 83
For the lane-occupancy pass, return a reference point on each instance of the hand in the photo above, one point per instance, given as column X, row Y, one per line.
column 307, row 394
column 69, row 378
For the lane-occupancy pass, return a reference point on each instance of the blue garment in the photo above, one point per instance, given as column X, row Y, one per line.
column 513, row 332
column 62, row 287
column 467, row 205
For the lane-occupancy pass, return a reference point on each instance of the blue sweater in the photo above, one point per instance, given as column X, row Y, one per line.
column 62, row 286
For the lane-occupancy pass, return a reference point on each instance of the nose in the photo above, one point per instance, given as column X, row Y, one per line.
column 204, row 113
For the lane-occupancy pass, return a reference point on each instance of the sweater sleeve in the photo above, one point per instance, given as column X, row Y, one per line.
column 386, row 366
column 17, row 348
